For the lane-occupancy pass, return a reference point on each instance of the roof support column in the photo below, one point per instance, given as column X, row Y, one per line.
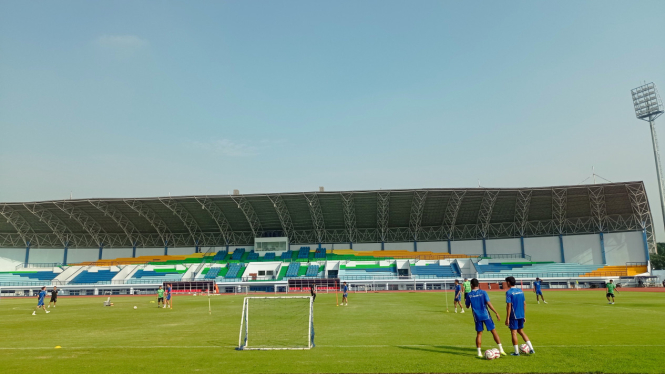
column 599, row 214
column 382, row 214
column 563, row 256
column 450, row 216
column 101, row 251
column 349, row 217
column 251, row 216
column 64, row 255
column 416, row 217
column 27, row 253
column 559, row 203
column 485, row 213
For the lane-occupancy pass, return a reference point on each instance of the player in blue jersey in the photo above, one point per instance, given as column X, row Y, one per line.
column 479, row 301
column 537, row 290
column 458, row 296
column 345, row 294
column 40, row 301
column 516, row 310
column 168, row 302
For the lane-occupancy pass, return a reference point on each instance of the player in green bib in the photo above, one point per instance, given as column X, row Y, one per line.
column 160, row 296
column 467, row 287
column 611, row 287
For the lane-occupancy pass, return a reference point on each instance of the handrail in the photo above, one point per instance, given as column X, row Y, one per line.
column 39, row 265
column 554, row 274
column 505, row 255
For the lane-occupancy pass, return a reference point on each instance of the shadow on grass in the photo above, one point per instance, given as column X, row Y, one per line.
column 446, row 349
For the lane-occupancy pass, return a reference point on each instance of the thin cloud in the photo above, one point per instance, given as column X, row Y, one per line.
column 227, row 147
column 230, row 148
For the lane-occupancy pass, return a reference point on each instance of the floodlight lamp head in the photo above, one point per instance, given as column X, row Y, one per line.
column 647, row 102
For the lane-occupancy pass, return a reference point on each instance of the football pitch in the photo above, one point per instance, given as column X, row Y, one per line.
column 377, row 333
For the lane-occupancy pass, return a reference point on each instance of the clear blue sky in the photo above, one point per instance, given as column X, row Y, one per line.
column 127, row 98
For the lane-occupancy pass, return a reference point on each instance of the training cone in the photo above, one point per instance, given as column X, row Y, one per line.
column 57, row 346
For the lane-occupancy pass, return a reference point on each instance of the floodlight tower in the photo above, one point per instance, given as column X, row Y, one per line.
column 648, row 107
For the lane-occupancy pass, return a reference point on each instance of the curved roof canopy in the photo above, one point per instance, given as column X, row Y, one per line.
column 328, row 217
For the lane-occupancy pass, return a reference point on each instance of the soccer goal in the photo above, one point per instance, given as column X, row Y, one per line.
column 270, row 323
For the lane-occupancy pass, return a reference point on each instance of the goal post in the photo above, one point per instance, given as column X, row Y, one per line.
column 277, row 323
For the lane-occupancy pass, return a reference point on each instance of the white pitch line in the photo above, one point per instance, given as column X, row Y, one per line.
column 329, row 346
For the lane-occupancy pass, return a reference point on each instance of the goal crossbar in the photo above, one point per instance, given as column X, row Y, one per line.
column 243, row 344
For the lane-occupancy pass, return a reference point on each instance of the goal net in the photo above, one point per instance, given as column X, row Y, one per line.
column 277, row 323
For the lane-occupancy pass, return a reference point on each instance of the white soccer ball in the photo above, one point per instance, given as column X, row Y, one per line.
column 490, row 354
column 135, row 307
column 525, row 349
column 497, row 352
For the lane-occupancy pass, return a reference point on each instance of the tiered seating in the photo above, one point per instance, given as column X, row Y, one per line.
column 99, row 277
column 495, row 268
column 439, row 271
column 360, row 272
column 156, row 276
column 26, row 276
column 237, row 254
column 292, row 271
column 220, row 256
column 286, row 255
column 622, row 271
column 212, row 273
column 269, row 256
column 312, row 271
column 303, row 253
column 549, row 270
column 320, row 253
column 235, row 271
column 252, row 255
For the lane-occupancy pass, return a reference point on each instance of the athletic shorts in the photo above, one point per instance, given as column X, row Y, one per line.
column 54, row 299
column 40, row 303
column 160, row 299
column 345, row 294
column 489, row 324
column 457, row 298
column 539, row 293
column 610, row 295
column 516, row 324
column 168, row 297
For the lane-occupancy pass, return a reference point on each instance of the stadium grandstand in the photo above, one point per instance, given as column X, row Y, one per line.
column 419, row 238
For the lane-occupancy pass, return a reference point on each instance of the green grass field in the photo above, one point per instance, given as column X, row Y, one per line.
column 377, row 333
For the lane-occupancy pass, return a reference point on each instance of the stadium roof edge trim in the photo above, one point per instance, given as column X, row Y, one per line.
column 365, row 216
column 323, row 193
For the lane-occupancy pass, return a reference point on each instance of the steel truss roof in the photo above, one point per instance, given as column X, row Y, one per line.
column 329, row 217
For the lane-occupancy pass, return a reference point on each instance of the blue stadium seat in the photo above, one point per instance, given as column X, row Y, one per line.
column 312, row 271
column 99, row 277
column 292, row 270
column 237, row 254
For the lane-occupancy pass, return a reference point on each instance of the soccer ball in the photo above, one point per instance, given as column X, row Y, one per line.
column 525, row 349
column 135, row 307
column 491, row 354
